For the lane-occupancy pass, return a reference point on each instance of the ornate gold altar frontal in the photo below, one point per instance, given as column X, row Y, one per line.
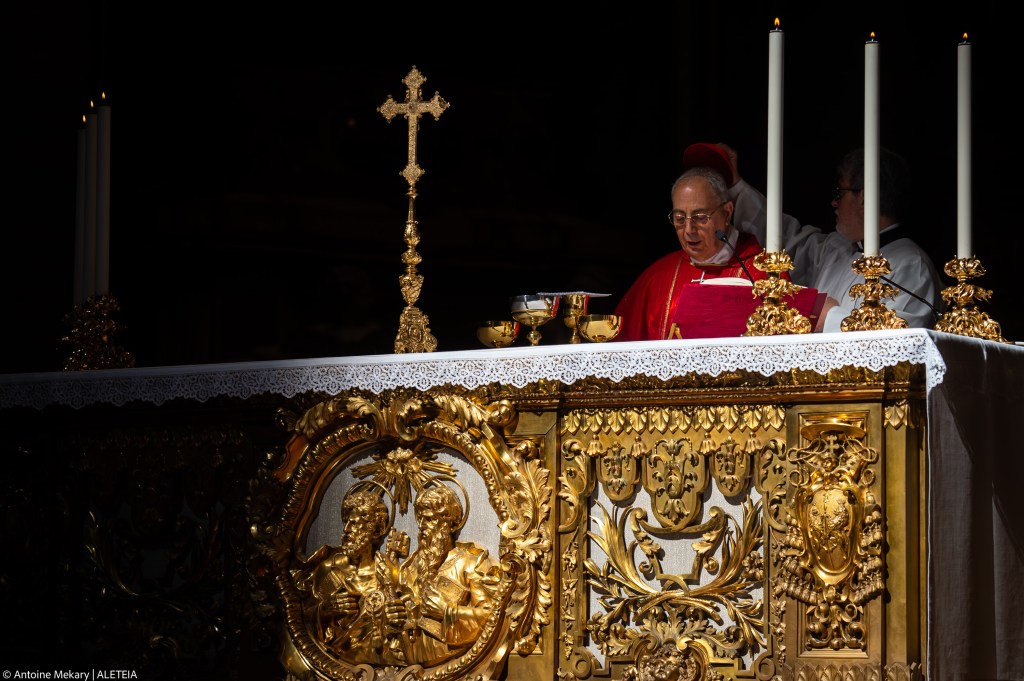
column 730, row 527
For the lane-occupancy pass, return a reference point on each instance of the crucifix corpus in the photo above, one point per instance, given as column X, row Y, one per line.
column 413, row 327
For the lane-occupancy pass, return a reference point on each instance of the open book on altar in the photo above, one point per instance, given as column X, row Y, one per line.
column 719, row 308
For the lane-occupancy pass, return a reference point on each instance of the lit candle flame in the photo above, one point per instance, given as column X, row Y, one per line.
column 965, row 36
column 83, row 118
column 776, row 23
column 103, row 95
column 872, row 38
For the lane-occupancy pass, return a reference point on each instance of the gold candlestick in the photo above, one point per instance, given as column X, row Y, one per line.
column 90, row 336
column 872, row 315
column 963, row 316
column 774, row 317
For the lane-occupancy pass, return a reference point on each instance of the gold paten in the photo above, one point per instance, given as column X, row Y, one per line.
column 872, row 314
column 963, row 316
column 774, row 317
column 413, row 327
column 91, row 334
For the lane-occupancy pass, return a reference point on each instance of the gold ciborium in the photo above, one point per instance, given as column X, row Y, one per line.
column 500, row 334
column 599, row 327
column 534, row 310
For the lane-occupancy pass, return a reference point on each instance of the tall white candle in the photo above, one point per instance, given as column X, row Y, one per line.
column 103, row 197
column 963, row 151
column 78, row 285
column 871, row 152
column 89, row 242
column 775, row 89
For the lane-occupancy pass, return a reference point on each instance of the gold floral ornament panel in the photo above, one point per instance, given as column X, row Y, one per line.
column 668, row 503
column 378, row 605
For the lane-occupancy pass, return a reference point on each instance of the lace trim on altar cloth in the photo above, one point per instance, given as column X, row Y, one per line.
column 515, row 366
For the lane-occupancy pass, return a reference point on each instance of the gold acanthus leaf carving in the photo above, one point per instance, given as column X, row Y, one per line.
column 629, row 599
column 670, row 420
column 730, row 463
column 675, row 477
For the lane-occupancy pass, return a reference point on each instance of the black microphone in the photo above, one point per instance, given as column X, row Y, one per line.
column 913, row 295
column 725, row 239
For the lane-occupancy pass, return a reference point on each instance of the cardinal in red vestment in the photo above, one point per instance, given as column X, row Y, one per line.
column 711, row 248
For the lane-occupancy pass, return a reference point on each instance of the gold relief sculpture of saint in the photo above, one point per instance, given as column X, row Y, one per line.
column 365, row 607
column 368, row 609
column 350, row 601
column 449, row 587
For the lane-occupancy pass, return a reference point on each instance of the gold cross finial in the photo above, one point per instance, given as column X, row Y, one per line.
column 412, row 108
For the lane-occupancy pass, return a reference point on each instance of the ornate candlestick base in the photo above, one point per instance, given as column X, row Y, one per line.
column 963, row 316
column 90, row 332
column 773, row 317
column 872, row 315
column 414, row 332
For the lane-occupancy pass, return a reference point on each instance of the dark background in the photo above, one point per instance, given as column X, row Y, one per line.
column 257, row 210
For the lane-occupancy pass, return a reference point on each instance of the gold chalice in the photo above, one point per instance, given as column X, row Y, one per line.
column 599, row 327
column 534, row 310
column 499, row 334
column 575, row 307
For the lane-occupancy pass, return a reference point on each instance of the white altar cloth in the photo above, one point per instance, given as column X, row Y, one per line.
column 516, row 366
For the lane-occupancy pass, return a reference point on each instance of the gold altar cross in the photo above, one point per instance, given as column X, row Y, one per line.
column 412, row 108
column 413, row 327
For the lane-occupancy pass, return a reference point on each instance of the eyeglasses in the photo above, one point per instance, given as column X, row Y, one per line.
column 839, row 192
column 679, row 218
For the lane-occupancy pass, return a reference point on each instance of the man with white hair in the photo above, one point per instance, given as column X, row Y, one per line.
column 450, row 585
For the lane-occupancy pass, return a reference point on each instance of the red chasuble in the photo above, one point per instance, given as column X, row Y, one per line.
column 648, row 307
